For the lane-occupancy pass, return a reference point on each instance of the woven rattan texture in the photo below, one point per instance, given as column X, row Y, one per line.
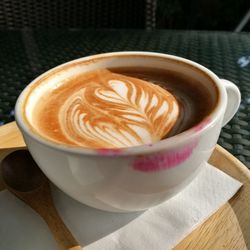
column 16, row 14
column 25, row 55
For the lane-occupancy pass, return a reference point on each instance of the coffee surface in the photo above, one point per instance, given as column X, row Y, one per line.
column 108, row 109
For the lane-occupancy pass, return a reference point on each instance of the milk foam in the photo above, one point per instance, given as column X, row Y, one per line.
column 107, row 110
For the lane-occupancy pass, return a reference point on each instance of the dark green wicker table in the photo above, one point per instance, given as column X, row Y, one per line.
column 26, row 54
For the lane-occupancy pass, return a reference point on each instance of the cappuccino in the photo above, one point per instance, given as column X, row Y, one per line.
column 119, row 107
column 103, row 109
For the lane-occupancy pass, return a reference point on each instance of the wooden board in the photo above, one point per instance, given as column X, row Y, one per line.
column 228, row 228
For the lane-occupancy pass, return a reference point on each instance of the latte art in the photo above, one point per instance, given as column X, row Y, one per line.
column 117, row 111
column 103, row 109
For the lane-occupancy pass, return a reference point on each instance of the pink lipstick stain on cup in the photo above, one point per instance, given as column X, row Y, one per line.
column 164, row 160
column 169, row 159
column 109, row 151
column 201, row 125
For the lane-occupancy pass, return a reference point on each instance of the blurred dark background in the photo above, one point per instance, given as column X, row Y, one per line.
column 201, row 14
column 138, row 14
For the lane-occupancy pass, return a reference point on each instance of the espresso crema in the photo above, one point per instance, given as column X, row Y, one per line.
column 104, row 109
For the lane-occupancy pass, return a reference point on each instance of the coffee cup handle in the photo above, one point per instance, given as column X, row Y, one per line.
column 233, row 100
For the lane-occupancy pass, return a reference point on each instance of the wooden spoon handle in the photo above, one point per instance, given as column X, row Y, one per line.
column 11, row 137
column 41, row 201
column 61, row 233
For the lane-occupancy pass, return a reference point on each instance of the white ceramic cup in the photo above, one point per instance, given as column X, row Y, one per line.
column 134, row 178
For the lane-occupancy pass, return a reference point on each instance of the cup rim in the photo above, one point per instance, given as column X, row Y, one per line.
column 167, row 143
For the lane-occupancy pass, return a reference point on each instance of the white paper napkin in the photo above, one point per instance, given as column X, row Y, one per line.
column 161, row 227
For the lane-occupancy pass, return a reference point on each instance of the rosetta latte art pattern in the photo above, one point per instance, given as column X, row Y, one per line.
column 114, row 111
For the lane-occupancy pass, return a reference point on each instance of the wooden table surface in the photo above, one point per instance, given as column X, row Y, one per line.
column 228, row 228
